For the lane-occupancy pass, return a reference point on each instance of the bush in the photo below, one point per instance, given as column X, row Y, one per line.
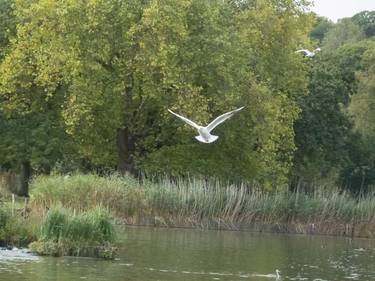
column 15, row 230
column 64, row 232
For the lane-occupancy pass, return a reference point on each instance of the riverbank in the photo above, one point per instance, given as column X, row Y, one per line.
column 201, row 204
column 58, row 231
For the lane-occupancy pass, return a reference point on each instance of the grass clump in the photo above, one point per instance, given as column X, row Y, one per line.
column 15, row 230
column 120, row 195
column 64, row 232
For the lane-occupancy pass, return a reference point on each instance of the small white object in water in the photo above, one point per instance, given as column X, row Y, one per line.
column 204, row 132
column 15, row 254
column 277, row 274
column 309, row 53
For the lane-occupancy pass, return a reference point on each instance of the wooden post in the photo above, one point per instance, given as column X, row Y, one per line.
column 13, row 203
column 25, row 208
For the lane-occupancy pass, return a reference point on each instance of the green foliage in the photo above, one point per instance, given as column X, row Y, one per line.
column 345, row 31
column 361, row 109
column 362, row 104
column 366, row 20
column 53, row 225
column 84, row 234
column 321, row 27
column 108, row 70
column 326, row 143
column 323, row 126
column 31, row 128
column 198, row 201
column 47, row 248
column 91, row 226
column 15, row 230
column 8, row 25
column 85, row 192
column 38, row 137
column 237, row 68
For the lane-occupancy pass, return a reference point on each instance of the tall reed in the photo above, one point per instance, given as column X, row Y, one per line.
column 83, row 192
column 62, row 225
column 65, row 232
column 197, row 200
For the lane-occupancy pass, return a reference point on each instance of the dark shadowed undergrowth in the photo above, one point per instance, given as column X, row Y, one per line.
column 15, row 229
column 195, row 202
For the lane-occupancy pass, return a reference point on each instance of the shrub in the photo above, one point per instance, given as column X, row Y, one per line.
column 64, row 232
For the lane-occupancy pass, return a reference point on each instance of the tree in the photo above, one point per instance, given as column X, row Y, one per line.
column 321, row 27
column 112, row 68
column 361, row 109
column 326, row 143
column 323, row 127
column 31, row 131
column 366, row 20
column 243, row 58
column 8, row 25
column 362, row 104
column 344, row 31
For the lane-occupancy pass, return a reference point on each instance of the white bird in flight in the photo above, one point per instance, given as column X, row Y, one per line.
column 308, row 53
column 204, row 132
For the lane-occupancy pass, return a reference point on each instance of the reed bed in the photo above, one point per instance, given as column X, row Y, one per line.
column 65, row 232
column 196, row 201
column 121, row 196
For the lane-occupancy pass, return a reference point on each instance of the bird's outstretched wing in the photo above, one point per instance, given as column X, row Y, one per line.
column 221, row 119
column 191, row 123
column 305, row 51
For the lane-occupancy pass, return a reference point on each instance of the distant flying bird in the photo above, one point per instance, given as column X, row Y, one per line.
column 308, row 53
column 204, row 132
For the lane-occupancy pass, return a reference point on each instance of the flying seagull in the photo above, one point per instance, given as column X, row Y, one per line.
column 204, row 132
column 308, row 53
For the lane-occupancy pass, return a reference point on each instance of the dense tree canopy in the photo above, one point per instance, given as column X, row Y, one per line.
column 8, row 25
column 90, row 82
column 321, row 27
column 111, row 69
column 324, row 130
column 366, row 20
column 345, row 31
column 329, row 148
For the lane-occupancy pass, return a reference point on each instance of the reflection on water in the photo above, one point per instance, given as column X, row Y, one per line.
column 182, row 254
column 15, row 255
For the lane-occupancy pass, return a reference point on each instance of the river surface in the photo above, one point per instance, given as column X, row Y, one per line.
column 184, row 254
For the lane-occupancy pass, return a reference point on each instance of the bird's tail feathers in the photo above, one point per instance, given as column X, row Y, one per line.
column 211, row 139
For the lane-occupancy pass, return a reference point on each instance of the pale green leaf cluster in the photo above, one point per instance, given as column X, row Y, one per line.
column 105, row 66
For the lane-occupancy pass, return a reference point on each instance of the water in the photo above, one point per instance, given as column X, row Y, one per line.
column 182, row 254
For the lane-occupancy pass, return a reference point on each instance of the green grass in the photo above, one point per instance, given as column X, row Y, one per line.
column 84, row 192
column 94, row 226
column 64, row 232
column 197, row 200
column 72, row 215
column 16, row 230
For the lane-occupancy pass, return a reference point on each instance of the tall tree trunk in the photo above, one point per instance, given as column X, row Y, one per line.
column 125, row 164
column 25, row 178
